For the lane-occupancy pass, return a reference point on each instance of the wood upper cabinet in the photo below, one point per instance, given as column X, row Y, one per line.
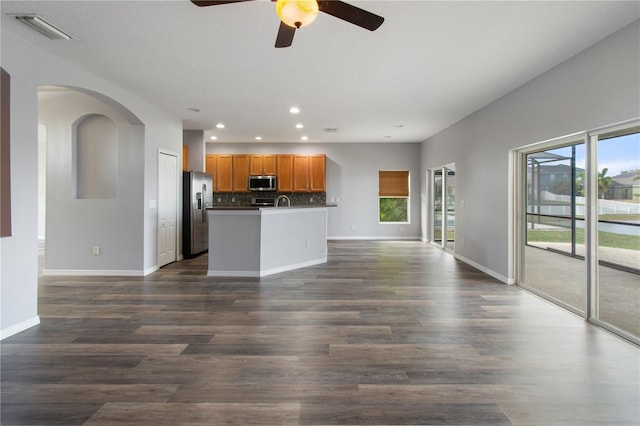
column 284, row 171
column 317, row 173
column 296, row 173
column 185, row 158
column 262, row 165
column 300, row 173
column 221, row 168
column 241, row 173
column 309, row 173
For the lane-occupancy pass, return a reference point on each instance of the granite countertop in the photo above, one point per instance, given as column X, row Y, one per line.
column 245, row 207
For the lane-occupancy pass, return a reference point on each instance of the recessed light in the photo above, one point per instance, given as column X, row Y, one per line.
column 294, row 110
column 399, row 125
column 193, row 109
column 213, row 138
column 304, row 138
column 220, row 126
column 299, row 126
column 258, row 138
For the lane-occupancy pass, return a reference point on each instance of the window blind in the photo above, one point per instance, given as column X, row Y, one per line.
column 393, row 183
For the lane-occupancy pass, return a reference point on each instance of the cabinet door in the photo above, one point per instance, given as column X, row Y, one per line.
column 255, row 167
column 317, row 173
column 185, row 158
column 269, row 164
column 301, row 173
column 241, row 173
column 263, row 165
column 223, row 180
column 284, row 172
column 210, row 166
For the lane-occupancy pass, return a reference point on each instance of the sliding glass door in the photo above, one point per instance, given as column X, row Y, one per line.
column 580, row 225
column 554, row 236
column 616, row 299
column 444, row 206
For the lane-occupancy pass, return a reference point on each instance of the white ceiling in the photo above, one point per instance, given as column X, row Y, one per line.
column 430, row 64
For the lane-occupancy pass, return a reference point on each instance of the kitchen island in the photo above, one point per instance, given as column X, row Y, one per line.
column 246, row 241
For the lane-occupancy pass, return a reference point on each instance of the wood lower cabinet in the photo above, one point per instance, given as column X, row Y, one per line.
column 284, row 172
column 263, row 165
column 241, row 173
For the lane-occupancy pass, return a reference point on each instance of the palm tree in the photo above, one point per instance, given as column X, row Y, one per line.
column 603, row 182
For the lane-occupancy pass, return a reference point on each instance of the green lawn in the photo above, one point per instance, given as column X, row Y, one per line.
column 605, row 239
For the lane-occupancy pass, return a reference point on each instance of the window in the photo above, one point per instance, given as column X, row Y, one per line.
column 393, row 196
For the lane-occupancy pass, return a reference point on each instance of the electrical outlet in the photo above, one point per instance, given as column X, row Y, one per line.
column 233, row 200
column 353, row 227
column 307, row 244
column 462, row 242
column 95, row 250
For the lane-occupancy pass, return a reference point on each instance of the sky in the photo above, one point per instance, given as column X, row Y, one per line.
column 617, row 154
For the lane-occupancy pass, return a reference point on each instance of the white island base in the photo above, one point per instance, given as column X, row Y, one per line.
column 265, row 241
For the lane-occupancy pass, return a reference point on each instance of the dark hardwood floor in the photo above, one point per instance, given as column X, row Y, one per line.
column 383, row 333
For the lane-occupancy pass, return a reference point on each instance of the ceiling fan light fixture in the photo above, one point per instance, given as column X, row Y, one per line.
column 297, row 13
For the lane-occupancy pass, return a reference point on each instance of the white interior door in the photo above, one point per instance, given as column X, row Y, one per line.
column 167, row 208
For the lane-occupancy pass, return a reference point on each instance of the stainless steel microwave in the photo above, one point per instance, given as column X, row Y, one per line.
column 263, row 183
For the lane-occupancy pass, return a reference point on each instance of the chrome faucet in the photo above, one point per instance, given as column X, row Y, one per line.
column 283, row 197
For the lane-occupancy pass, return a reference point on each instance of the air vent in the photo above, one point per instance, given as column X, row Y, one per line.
column 43, row 27
column 330, row 129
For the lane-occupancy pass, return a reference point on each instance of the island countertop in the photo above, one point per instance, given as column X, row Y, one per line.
column 245, row 207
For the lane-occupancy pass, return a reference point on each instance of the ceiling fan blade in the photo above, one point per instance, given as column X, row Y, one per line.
column 215, row 3
column 285, row 35
column 352, row 14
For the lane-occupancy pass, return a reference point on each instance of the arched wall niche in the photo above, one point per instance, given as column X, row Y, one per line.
column 94, row 157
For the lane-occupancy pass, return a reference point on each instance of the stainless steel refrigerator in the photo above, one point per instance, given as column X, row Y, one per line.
column 197, row 195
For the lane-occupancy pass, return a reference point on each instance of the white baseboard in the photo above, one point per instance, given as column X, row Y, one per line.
column 17, row 328
column 266, row 272
column 484, row 269
column 150, row 270
column 371, row 238
column 97, row 272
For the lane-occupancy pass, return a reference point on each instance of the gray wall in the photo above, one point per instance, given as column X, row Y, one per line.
column 194, row 140
column 31, row 67
column 597, row 87
column 75, row 225
column 352, row 176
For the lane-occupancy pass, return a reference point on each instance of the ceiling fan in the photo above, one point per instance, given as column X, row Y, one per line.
column 297, row 13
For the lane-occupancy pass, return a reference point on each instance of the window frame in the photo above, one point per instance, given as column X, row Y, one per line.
column 396, row 197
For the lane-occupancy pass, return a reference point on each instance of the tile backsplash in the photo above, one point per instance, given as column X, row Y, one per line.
column 244, row 198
